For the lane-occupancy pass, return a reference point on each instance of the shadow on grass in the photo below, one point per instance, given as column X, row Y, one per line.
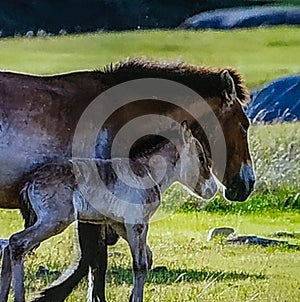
column 163, row 275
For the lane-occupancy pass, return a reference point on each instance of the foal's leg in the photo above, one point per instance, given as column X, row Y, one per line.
column 51, row 200
column 59, row 290
column 98, row 264
column 22, row 242
column 5, row 278
column 94, row 255
column 137, row 238
column 93, row 247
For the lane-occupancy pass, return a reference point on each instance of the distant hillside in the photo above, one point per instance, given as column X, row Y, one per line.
column 21, row 16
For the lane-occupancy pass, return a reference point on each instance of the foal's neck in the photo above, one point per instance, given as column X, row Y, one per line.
column 162, row 164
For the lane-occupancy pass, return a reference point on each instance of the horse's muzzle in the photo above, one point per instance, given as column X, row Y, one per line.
column 241, row 185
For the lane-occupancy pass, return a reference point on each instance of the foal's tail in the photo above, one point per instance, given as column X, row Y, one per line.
column 27, row 210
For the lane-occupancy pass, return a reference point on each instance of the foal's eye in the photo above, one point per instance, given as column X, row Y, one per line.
column 201, row 159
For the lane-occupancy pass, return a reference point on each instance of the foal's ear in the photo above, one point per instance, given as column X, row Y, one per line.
column 186, row 132
column 229, row 92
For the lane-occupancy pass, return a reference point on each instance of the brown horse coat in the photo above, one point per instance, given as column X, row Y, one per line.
column 39, row 114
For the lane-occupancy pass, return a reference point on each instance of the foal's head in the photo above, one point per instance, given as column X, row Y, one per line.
column 195, row 171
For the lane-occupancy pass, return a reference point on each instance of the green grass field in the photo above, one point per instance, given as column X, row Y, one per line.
column 191, row 269
column 261, row 54
column 186, row 267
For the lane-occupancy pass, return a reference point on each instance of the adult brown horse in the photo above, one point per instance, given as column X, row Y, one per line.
column 39, row 116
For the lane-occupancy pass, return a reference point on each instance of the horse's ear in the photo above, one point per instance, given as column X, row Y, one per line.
column 229, row 92
column 186, row 132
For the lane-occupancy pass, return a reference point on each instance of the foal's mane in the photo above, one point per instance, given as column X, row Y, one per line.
column 204, row 80
column 148, row 145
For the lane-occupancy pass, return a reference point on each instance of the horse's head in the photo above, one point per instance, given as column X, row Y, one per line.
column 222, row 90
column 195, row 171
column 239, row 176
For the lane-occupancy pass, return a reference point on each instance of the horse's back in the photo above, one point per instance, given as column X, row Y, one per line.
column 38, row 117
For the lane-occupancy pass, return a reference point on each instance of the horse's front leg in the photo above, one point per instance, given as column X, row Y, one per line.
column 5, row 279
column 137, row 239
column 97, row 250
column 97, row 267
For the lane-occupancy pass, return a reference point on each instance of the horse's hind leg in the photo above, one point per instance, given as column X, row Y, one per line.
column 5, row 280
column 61, row 288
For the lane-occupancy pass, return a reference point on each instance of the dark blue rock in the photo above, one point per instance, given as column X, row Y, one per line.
column 243, row 17
column 278, row 101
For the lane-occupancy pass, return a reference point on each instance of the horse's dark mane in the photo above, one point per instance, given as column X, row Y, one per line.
column 204, row 80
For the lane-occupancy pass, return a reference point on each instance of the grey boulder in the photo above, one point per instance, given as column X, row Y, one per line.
column 278, row 101
column 243, row 18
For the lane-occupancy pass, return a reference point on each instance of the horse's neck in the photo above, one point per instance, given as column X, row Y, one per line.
column 163, row 165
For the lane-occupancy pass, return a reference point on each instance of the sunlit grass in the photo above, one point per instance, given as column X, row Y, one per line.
column 275, row 150
column 186, row 267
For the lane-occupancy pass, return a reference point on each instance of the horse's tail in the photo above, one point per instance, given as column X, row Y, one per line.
column 27, row 210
